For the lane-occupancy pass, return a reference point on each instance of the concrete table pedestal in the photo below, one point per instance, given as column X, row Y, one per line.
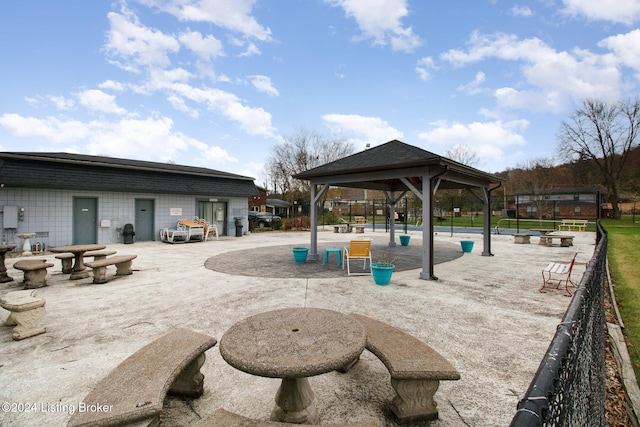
column 4, row 277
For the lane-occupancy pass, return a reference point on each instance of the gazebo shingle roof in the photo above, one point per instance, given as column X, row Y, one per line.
column 391, row 160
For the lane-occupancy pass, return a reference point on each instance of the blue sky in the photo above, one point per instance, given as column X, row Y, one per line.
column 217, row 83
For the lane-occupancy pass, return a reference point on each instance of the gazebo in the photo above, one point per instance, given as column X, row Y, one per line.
column 396, row 168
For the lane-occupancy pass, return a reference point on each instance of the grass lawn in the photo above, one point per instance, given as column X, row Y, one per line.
column 624, row 259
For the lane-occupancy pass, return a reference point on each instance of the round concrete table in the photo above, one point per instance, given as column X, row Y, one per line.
column 293, row 344
column 78, row 251
column 4, row 277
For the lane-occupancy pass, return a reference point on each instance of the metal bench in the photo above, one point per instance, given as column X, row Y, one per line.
column 416, row 369
column 122, row 263
column 135, row 390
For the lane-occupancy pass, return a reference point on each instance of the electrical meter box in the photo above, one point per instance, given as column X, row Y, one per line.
column 10, row 217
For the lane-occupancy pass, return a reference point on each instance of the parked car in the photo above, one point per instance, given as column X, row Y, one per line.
column 263, row 219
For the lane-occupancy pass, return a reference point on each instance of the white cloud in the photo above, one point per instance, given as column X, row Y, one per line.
column 552, row 75
column 206, row 48
column 523, row 11
column 488, row 139
column 473, row 88
column 97, row 100
column 626, row 48
column 251, row 50
column 620, row 11
column 180, row 105
column 231, row 15
column 112, row 85
column 424, row 67
column 218, row 155
column 263, row 84
column 49, row 128
column 61, row 103
column 134, row 45
column 381, row 20
column 149, row 139
column 361, row 129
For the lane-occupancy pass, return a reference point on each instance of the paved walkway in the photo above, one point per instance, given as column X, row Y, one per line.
column 484, row 314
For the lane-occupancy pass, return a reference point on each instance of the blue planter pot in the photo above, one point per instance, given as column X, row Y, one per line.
column 404, row 239
column 382, row 273
column 467, row 245
column 300, row 255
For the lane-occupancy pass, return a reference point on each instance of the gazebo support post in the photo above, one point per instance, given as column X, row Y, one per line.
column 313, row 218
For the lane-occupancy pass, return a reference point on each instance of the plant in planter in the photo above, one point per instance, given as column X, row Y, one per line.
column 382, row 269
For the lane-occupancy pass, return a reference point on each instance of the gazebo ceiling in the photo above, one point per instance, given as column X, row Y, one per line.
column 382, row 167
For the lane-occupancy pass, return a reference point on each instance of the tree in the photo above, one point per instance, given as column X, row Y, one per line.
column 536, row 179
column 463, row 154
column 300, row 152
column 603, row 134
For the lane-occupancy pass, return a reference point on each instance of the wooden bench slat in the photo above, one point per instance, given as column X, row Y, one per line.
column 135, row 390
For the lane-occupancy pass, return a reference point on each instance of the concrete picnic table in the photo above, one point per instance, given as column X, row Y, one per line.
column 79, row 269
column 293, row 344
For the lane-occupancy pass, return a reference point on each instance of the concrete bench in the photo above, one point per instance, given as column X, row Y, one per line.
column 565, row 241
column 359, row 228
column 122, row 263
column 360, row 219
column 135, row 390
column 416, row 369
column 26, row 311
column 224, row 418
column 35, row 272
column 67, row 259
column 522, row 238
column 342, row 228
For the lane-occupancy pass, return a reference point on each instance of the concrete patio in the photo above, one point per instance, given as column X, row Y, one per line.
column 484, row 315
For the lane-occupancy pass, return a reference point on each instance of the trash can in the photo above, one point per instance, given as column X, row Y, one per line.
column 128, row 233
column 238, row 226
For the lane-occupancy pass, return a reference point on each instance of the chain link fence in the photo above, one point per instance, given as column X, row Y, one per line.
column 569, row 386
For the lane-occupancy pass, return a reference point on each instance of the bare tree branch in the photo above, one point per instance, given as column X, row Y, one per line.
column 605, row 135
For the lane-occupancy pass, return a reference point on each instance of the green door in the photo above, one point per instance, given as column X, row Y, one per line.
column 85, row 220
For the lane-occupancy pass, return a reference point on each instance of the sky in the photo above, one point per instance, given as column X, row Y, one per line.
column 219, row 83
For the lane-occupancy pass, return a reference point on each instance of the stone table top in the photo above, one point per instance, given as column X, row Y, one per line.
column 6, row 248
column 77, row 248
column 293, row 342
